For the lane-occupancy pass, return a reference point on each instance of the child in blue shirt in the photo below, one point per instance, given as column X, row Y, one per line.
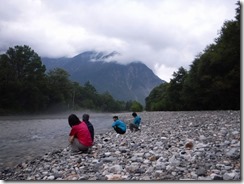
column 118, row 125
column 136, row 123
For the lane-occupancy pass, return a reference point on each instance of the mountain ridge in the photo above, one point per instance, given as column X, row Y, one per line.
column 132, row 81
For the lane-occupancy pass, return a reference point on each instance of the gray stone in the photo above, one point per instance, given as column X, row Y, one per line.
column 201, row 172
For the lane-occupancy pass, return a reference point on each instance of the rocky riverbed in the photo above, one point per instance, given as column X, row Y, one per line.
column 201, row 145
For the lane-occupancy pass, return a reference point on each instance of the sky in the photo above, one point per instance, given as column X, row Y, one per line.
column 163, row 34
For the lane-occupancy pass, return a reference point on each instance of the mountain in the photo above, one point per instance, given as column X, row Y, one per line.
column 133, row 81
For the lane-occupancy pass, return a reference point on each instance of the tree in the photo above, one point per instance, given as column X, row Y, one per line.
column 22, row 80
column 213, row 81
column 108, row 103
column 175, row 89
column 214, row 78
column 136, row 107
column 90, row 88
column 158, row 99
column 61, row 90
column 25, row 87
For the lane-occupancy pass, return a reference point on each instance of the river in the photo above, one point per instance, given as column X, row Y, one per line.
column 25, row 137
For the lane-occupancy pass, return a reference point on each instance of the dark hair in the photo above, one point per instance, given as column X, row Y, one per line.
column 116, row 117
column 85, row 117
column 134, row 114
column 73, row 120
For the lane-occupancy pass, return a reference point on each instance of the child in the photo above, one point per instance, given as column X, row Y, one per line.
column 80, row 137
column 118, row 125
column 136, row 123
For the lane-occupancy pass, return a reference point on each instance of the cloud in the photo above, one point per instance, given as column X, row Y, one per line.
column 164, row 35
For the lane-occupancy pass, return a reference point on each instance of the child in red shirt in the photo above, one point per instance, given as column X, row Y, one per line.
column 80, row 137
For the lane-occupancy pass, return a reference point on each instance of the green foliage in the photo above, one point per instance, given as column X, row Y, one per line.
column 174, row 89
column 107, row 103
column 60, row 87
column 25, row 87
column 136, row 107
column 213, row 81
column 89, row 88
column 158, row 99
column 22, row 80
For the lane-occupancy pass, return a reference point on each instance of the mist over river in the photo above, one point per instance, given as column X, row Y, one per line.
column 25, row 137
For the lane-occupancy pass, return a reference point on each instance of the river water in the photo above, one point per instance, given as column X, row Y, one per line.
column 25, row 137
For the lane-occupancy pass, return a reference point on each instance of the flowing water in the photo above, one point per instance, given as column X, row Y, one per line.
column 25, row 137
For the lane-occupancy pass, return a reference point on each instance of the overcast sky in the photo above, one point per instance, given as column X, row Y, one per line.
column 163, row 34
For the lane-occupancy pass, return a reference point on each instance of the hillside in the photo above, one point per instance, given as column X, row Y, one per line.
column 133, row 81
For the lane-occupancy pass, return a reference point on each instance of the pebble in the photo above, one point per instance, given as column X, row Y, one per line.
column 194, row 145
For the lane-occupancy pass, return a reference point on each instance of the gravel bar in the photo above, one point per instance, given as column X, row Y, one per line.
column 185, row 145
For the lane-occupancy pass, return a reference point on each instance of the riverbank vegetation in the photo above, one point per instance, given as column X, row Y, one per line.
column 213, row 80
column 26, row 87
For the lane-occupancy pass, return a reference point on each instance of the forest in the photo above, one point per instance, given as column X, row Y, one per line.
column 26, row 87
column 213, row 80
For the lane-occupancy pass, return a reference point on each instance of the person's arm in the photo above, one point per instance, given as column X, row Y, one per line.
column 114, row 123
column 71, row 138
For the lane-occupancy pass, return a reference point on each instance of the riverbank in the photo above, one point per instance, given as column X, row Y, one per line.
column 170, row 146
column 25, row 137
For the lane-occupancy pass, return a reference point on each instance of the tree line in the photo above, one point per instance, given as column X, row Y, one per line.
column 26, row 87
column 213, row 80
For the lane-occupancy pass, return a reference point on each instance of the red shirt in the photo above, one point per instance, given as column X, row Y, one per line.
column 81, row 132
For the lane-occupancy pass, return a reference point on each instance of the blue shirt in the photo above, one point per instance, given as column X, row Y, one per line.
column 119, row 124
column 137, row 120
